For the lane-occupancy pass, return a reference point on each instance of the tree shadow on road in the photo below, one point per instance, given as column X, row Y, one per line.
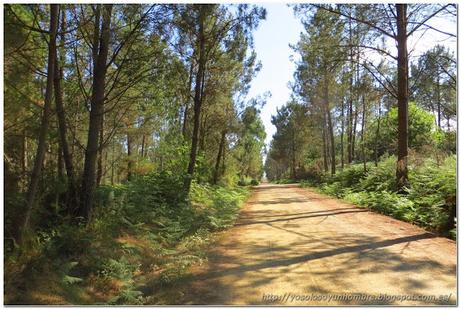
column 280, row 253
column 231, row 278
column 322, row 214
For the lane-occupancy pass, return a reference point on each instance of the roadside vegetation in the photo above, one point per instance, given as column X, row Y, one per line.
column 144, row 234
column 368, row 121
column 130, row 140
column 430, row 202
column 127, row 129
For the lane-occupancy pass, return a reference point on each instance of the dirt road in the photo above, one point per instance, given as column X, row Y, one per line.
column 292, row 246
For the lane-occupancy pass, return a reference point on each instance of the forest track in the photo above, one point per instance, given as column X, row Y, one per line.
column 293, row 246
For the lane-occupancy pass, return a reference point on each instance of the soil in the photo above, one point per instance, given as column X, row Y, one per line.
column 294, row 247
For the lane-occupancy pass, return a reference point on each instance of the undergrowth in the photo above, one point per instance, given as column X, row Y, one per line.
column 143, row 234
column 430, row 201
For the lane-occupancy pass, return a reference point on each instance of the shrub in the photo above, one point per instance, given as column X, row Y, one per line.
column 334, row 188
column 431, row 198
column 433, row 190
column 242, row 183
column 284, row 181
column 254, row 182
column 357, row 198
column 144, row 223
column 381, row 177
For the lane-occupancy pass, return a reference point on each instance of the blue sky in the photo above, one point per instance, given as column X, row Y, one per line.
column 271, row 43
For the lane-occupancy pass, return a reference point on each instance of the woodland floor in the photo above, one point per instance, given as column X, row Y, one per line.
column 291, row 243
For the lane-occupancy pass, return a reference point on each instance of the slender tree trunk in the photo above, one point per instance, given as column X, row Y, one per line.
column 342, row 119
column 223, row 158
column 95, row 118
column 326, row 168
column 331, row 128
column 350, row 101
column 355, row 122
column 60, row 173
column 184, row 124
column 377, row 136
column 24, row 162
column 96, row 36
column 328, row 153
column 95, row 51
column 60, row 164
column 363, row 127
column 403, row 143
column 202, row 133
column 143, row 145
column 62, row 124
column 197, row 102
column 353, row 138
column 112, row 176
column 219, row 157
column 41, row 148
column 100, row 152
column 350, row 131
column 294, row 174
column 438, row 92
column 130, row 159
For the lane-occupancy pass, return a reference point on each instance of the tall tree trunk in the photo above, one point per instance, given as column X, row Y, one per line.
column 60, row 176
column 219, row 156
column 363, row 127
column 326, row 168
column 353, row 138
column 223, row 157
column 197, row 102
column 62, row 124
column 95, row 52
column 189, row 88
column 60, row 164
column 329, row 124
column 328, row 153
column 130, row 152
column 350, row 100
column 402, row 178
column 100, row 152
column 350, row 131
column 143, row 146
column 355, row 122
column 202, row 133
column 377, row 136
column 42, row 137
column 294, row 174
column 438, row 93
column 112, row 176
column 95, row 118
column 24, row 162
column 342, row 118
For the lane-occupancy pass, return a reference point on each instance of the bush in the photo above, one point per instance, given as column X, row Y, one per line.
column 254, row 182
column 285, row 181
column 421, row 124
column 138, row 226
column 431, row 198
column 349, row 178
column 380, row 178
column 312, row 174
column 243, row 183
column 433, row 190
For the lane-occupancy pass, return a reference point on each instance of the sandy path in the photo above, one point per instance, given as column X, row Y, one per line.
column 292, row 246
